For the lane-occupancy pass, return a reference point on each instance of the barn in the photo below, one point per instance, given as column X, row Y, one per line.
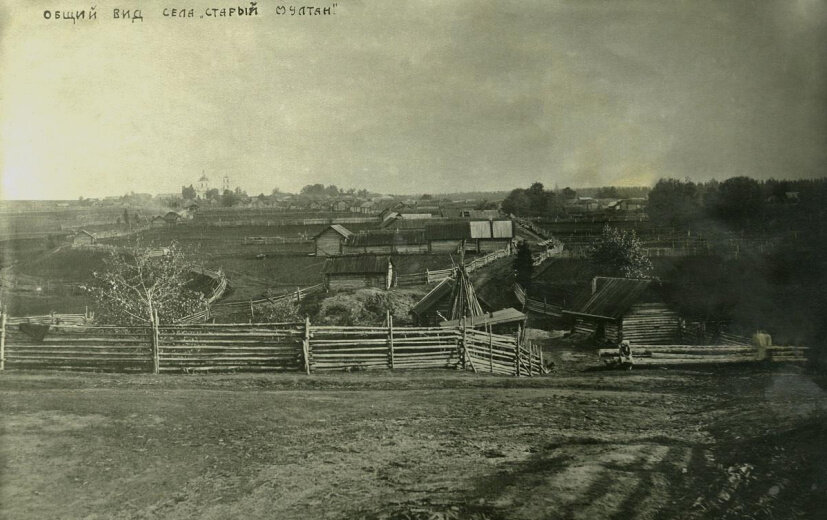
column 158, row 222
column 330, row 241
column 616, row 309
column 481, row 236
column 83, row 238
column 396, row 241
column 491, row 235
column 358, row 272
column 447, row 237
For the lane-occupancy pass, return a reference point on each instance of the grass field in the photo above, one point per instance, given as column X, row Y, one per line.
column 735, row 443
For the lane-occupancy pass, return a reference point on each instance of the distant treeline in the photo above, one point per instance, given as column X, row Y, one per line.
column 740, row 201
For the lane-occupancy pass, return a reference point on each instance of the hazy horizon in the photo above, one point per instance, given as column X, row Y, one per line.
column 412, row 96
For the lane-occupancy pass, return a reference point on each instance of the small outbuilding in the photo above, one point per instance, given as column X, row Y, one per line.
column 83, row 238
column 617, row 309
column 358, row 272
column 331, row 240
column 386, row 241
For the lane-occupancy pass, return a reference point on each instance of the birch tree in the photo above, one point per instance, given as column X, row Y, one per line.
column 139, row 282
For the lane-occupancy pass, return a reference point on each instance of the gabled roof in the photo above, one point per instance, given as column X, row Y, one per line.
column 338, row 228
column 362, row 264
column 509, row 315
column 613, row 297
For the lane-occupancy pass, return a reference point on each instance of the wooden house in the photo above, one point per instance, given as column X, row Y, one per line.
column 83, row 238
column 387, row 242
column 616, row 309
column 331, row 240
column 158, row 222
column 367, row 208
column 447, row 237
column 171, row 218
column 340, row 206
column 358, row 272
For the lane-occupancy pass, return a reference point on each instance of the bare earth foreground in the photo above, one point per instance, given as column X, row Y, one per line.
column 741, row 442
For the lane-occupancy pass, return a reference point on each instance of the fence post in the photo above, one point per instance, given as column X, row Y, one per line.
column 390, row 339
column 490, row 350
column 2, row 338
column 306, row 345
column 156, row 357
column 462, row 352
column 251, row 310
column 517, row 350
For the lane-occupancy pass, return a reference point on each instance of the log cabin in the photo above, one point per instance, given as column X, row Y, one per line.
column 387, row 242
column 83, row 238
column 330, row 241
column 358, row 272
column 616, row 309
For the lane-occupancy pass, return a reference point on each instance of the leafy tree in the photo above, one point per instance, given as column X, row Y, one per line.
column 332, row 191
column 739, row 200
column 426, row 196
column 568, row 193
column 229, row 199
column 517, row 203
column 619, row 253
column 608, row 192
column 486, row 204
column 212, row 194
column 313, row 190
column 188, row 192
column 523, row 264
column 125, row 216
column 674, row 202
column 140, row 281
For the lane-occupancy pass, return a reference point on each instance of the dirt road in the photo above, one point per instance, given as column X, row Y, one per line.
column 739, row 443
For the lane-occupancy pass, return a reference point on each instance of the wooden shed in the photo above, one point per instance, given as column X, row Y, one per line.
column 435, row 306
column 83, row 238
column 447, row 237
column 358, row 272
column 330, row 241
column 158, row 222
column 481, row 236
column 616, row 309
column 387, row 241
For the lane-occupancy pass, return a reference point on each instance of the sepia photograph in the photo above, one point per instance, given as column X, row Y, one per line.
column 413, row 259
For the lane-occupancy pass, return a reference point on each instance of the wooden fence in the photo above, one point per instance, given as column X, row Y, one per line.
column 226, row 309
column 705, row 354
column 274, row 240
column 438, row 275
column 270, row 347
column 537, row 306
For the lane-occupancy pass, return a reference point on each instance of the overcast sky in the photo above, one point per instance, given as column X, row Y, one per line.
column 411, row 96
